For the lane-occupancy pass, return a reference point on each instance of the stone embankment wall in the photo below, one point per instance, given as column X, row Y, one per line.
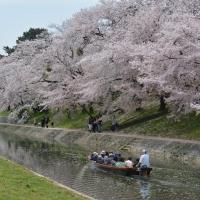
column 7, row 120
column 3, row 120
column 161, row 149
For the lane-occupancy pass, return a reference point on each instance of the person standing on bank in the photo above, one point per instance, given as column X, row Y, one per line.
column 99, row 124
column 114, row 124
column 90, row 123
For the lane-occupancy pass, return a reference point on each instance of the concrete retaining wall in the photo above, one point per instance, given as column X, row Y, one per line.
column 159, row 148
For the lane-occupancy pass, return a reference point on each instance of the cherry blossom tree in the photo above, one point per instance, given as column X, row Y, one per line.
column 118, row 54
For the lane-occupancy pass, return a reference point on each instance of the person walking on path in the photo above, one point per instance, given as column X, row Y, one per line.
column 90, row 122
column 114, row 124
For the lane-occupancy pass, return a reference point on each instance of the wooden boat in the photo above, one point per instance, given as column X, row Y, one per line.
column 123, row 170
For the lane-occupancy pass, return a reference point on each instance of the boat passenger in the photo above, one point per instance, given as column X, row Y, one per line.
column 105, row 159
column 94, row 156
column 120, row 163
column 103, row 153
column 129, row 163
column 144, row 161
column 100, row 159
column 113, row 162
column 116, row 156
column 136, row 161
column 111, row 155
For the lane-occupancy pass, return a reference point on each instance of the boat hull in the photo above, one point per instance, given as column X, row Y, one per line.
column 124, row 170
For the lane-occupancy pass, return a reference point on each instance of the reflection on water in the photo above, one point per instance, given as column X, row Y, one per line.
column 66, row 166
column 144, row 189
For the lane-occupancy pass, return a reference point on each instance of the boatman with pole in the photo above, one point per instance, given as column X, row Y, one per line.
column 144, row 162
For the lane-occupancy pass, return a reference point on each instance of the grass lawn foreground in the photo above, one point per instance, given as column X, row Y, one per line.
column 17, row 183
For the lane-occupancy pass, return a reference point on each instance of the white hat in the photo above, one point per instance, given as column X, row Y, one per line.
column 103, row 152
column 144, row 150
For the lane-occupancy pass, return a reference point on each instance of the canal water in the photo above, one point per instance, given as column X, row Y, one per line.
column 169, row 181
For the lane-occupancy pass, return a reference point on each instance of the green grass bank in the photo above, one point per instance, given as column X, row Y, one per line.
column 4, row 114
column 17, row 183
column 154, row 123
column 147, row 121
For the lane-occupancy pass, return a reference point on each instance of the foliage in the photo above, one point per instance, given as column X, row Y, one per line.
column 36, row 117
column 8, row 49
column 21, row 114
column 77, row 119
column 48, row 68
column 134, row 51
column 31, row 34
column 147, row 121
column 79, row 51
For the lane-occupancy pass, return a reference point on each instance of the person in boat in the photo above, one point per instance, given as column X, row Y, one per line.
column 94, row 156
column 111, row 158
column 111, row 155
column 136, row 161
column 105, row 156
column 144, row 161
column 107, row 153
column 107, row 160
column 116, row 156
column 103, row 153
column 100, row 159
column 120, row 163
column 129, row 163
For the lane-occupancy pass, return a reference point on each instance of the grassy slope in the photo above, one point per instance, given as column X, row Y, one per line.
column 79, row 120
column 4, row 114
column 60, row 119
column 151, row 122
column 17, row 183
column 147, row 122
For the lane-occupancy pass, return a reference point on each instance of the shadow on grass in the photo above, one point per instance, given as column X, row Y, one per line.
column 133, row 121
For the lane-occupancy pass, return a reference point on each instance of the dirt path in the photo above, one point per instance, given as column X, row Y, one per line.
column 119, row 134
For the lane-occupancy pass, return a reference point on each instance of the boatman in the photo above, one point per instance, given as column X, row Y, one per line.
column 144, row 161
